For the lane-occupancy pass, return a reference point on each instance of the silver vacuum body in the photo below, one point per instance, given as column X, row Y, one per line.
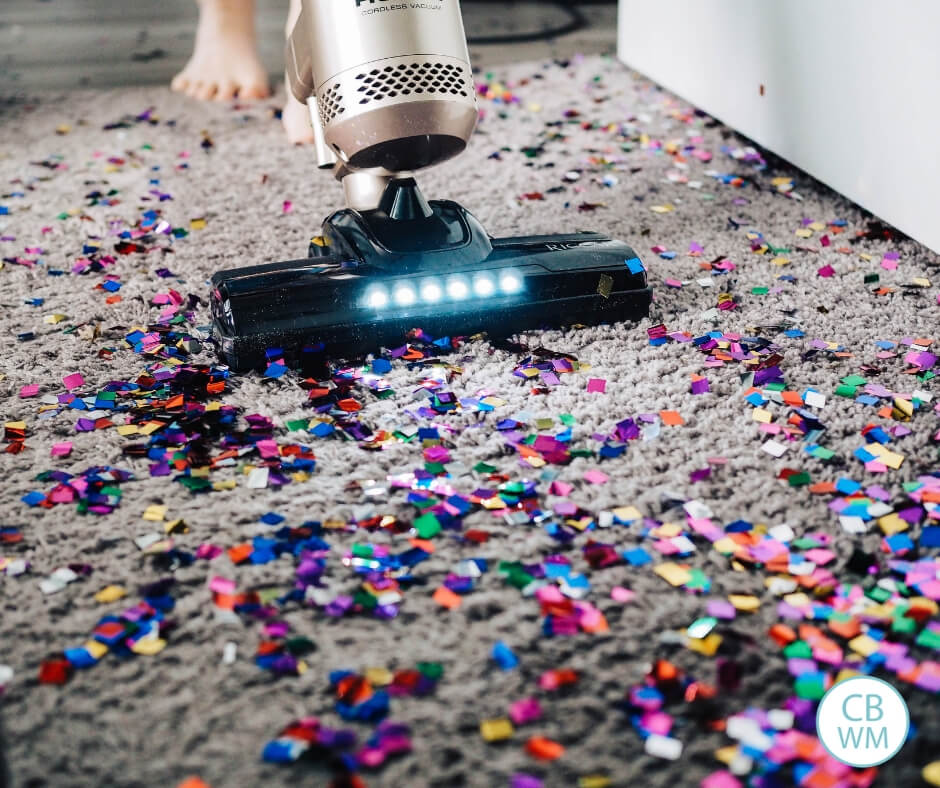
column 388, row 82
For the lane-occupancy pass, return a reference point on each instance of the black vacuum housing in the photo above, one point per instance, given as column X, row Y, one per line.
column 375, row 275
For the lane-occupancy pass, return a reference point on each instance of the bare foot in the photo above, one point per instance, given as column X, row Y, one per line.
column 295, row 116
column 296, row 120
column 225, row 61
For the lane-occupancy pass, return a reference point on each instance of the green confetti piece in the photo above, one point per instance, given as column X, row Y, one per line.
column 798, row 649
column 878, row 594
column 433, row 670
column 482, row 467
column 798, row 479
column 760, row 290
column 299, row 646
column 809, row 687
column 846, row 391
column 427, row 525
column 854, row 380
column 567, row 419
column 929, row 639
column 904, row 625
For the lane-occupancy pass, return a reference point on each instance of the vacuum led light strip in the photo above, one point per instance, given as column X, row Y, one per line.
column 433, row 289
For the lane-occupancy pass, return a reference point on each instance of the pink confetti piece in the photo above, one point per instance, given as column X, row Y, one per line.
column 597, row 385
column 826, row 271
column 222, row 585
column 288, row 206
column 621, row 594
column 29, row 390
column 63, row 449
column 73, row 381
column 596, row 477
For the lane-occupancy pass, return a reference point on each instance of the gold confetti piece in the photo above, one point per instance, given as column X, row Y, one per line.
column 605, row 284
column 931, row 773
column 863, row 645
column 197, row 224
column 379, row 677
column 726, row 545
column 919, row 281
column 762, row 415
column 781, row 261
column 892, row 524
column 706, row 645
column 798, row 599
column 54, row 319
column 817, row 226
column 727, row 754
column 95, row 648
column 594, row 781
column 176, row 527
column 154, row 513
column 673, row 574
column 127, row 429
column 496, row 730
column 803, row 232
column 627, row 513
column 63, row 129
column 902, row 410
column 110, row 594
column 663, row 208
column 149, row 647
column 891, row 459
column 746, row 603
column 228, row 484
column 667, row 531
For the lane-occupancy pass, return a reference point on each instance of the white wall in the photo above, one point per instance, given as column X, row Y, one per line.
column 851, row 88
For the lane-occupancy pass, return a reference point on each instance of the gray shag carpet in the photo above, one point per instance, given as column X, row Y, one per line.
column 602, row 147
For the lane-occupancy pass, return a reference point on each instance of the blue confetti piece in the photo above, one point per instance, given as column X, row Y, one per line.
column 33, row 498
column 635, row 265
column 504, row 656
column 637, row 557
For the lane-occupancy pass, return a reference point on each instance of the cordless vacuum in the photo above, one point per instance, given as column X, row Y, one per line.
column 390, row 91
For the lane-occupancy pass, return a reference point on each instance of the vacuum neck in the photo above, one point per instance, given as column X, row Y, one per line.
column 363, row 190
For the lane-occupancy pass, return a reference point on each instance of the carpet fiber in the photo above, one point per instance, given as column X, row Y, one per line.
column 586, row 145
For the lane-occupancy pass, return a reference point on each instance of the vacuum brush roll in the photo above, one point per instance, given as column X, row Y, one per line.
column 392, row 79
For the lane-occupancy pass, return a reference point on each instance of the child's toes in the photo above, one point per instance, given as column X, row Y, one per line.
column 254, row 89
column 226, row 91
column 205, row 90
column 180, row 83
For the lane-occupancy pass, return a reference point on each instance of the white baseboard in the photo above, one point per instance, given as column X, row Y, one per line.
column 851, row 88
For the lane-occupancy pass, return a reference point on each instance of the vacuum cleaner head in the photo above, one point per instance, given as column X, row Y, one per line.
column 390, row 90
column 374, row 275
